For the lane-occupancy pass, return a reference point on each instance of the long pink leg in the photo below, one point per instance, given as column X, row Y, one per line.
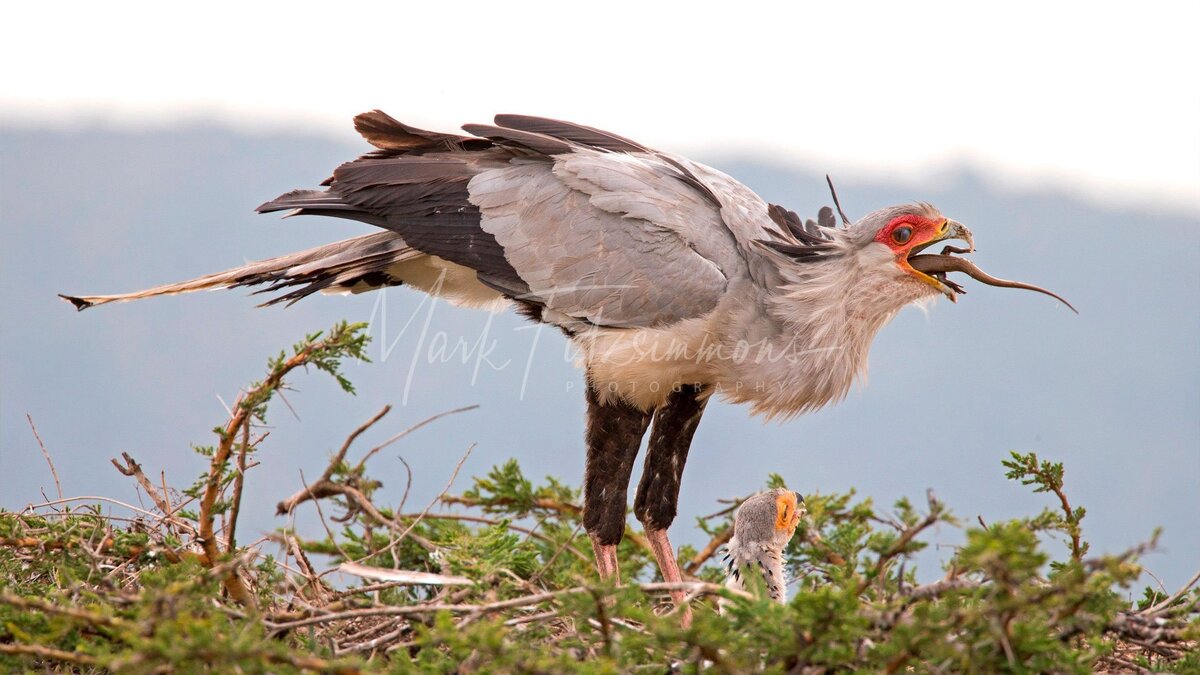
column 670, row 570
column 606, row 561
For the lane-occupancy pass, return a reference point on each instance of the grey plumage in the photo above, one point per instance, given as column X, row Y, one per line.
column 762, row 527
column 598, row 234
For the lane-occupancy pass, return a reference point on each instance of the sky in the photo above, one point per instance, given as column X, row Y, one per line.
column 1099, row 99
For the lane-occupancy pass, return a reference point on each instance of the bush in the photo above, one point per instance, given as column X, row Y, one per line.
column 504, row 584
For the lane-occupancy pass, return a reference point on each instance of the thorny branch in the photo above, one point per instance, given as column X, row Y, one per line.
column 134, row 470
column 557, row 506
column 249, row 407
column 50, row 654
column 906, row 536
column 242, row 417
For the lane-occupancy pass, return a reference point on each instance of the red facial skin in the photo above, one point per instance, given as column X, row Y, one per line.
column 923, row 230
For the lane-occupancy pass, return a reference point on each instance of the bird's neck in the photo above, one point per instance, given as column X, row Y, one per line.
column 824, row 317
column 836, row 307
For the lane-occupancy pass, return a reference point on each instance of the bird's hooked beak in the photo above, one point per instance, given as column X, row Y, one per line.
column 932, row 268
column 951, row 229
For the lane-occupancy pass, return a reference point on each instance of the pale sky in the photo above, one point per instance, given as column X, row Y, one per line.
column 1098, row 98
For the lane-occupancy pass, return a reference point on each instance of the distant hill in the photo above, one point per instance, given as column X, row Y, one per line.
column 1113, row 393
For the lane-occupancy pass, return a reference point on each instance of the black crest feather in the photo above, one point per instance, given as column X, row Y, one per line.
column 838, row 204
column 809, row 240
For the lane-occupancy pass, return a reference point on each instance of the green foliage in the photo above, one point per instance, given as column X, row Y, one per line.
column 1047, row 476
column 506, row 490
column 489, row 552
column 345, row 340
column 81, row 591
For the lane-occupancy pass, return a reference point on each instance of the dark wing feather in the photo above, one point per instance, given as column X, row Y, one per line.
column 421, row 197
column 598, row 139
column 576, row 133
column 406, row 186
column 539, row 143
column 387, row 133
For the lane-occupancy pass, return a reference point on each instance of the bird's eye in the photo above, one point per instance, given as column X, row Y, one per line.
column 901, row 235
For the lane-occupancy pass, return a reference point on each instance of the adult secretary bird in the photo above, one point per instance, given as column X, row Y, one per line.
column 675, row 281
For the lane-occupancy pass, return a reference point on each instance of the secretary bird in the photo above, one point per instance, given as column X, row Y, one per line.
column 762, row 527
column 675, row 281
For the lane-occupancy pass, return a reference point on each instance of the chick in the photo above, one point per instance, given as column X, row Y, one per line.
column 762, row 527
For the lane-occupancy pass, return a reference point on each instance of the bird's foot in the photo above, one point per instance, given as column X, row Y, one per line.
column 670, row 571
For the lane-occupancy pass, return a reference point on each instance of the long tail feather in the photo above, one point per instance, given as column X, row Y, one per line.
column 350, row 265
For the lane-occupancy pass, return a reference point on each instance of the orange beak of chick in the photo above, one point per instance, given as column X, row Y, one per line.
column 788, row 510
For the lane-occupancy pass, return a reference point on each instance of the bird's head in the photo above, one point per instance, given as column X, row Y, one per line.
column 768, row 519
column 891, row 238
column 876, row 263
column 863, row 268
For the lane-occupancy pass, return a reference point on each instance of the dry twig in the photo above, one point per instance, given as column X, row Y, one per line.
column 46, row 454
column 132, row 469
